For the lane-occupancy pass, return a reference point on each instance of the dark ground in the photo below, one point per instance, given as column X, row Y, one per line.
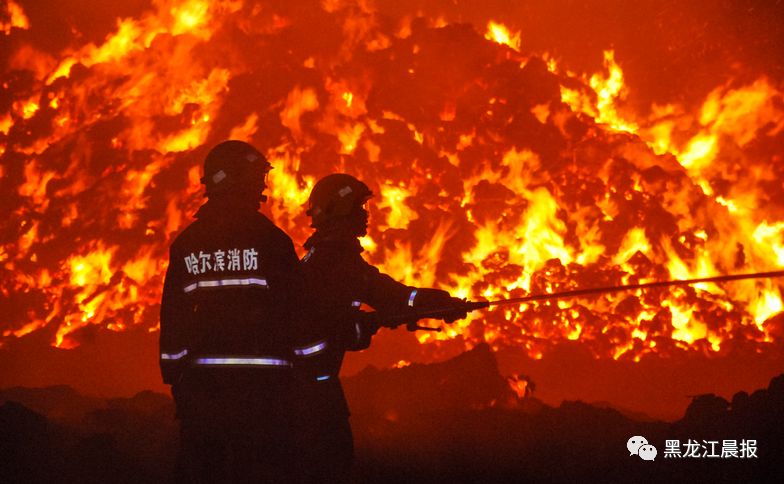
column 456, row 421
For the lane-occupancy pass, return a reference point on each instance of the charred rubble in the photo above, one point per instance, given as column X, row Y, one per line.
column 454, row 421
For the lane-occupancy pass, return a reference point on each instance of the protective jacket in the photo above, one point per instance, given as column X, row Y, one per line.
column 229, row 325
column 339, row 282
column 230, row 291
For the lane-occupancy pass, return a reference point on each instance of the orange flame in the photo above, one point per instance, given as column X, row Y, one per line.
column 498, row 173
column 16, row 18
column 500, row 34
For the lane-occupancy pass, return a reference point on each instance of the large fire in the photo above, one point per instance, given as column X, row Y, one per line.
column 499, row 171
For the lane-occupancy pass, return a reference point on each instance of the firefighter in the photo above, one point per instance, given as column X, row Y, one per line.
column 340, row 281
column 228, row 329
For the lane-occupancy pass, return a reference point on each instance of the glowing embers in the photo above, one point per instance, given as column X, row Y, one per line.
column 6, row 122
column 26, row 109
column 189, row 16
column 289, row 187
column 14, row 17
column 393, row 203
column 490, row 181
column 499, row 33
column 349, row 137
column 146, row 96
column 101, row 292
column 184, row 17
column 204, row 93
column 685, row 328
column 767, row 304
column 522, row 386
column 772, row 235
column 92, row 269
column 633, row 242
column 609, row 90
column 600, row 102
column 728, row 116
column 298, row 102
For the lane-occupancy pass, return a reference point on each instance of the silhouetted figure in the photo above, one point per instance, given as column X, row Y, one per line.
column 339, row 282
column 231, row 289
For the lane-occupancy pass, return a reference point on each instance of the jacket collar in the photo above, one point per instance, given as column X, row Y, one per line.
column 226, row 208
column 338, row 239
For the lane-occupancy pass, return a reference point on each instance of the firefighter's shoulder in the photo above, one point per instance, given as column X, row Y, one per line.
column 186, row 235
column 271, row 232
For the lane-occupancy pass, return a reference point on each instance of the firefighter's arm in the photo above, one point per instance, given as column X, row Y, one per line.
column 396, row 301
column 355, row 331
column 321, row 358
column 438, row 304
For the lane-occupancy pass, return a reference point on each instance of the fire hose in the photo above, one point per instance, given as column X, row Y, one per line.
column 468, row 306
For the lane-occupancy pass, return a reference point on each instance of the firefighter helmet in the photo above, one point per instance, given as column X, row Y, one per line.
column 234, row 166
column 335, row 197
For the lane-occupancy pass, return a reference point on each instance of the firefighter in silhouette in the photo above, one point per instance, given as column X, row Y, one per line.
column 228, row 331
column 340, row 281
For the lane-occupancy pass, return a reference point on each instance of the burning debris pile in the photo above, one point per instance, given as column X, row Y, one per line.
column 499, row 171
